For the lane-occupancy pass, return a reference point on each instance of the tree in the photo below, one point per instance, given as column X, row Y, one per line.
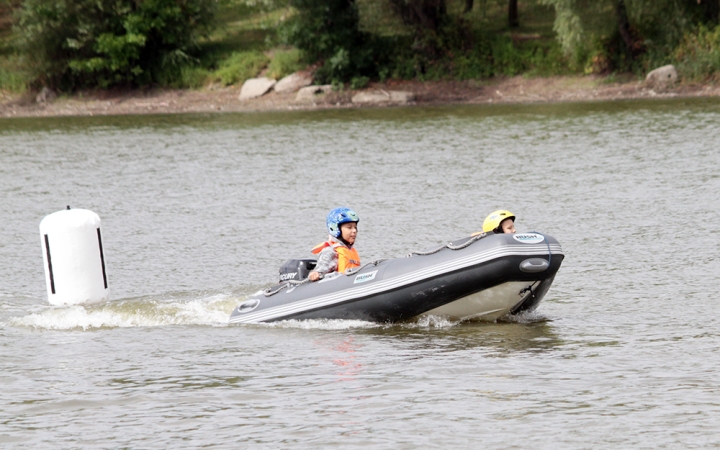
column 613, row 34
column 425, row 15
column 327, row 31
column 513, row 20
column 711, row 9
column 425, row 18
column 468, row 6
column 87, row 43
column 624, row 29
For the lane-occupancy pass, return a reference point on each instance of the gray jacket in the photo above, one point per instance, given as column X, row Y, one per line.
column 327, row 259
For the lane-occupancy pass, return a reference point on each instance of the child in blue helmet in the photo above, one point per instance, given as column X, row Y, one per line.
column 337, row 254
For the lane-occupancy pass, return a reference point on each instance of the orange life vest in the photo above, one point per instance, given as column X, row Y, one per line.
column 347, row 257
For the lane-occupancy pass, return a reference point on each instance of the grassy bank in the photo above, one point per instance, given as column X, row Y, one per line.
column 252, row 37
column 244, row 43
column 13, row 77
column 248, row 40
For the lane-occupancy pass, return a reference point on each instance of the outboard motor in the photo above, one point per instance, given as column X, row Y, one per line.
column 296, row 269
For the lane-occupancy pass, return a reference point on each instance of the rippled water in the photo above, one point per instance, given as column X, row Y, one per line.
column 199, row 211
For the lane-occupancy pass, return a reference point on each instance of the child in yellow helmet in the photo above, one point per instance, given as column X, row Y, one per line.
column 499, row 222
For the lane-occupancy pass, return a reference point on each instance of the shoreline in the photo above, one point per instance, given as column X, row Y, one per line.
column 516, row 90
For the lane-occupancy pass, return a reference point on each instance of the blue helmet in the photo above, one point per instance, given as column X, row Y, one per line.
column 339, row 216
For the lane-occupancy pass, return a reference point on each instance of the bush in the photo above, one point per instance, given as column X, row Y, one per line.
column 285, row 62
column 88, row 43
column 491, row 55
column 698, row 55
column 187, row 77
column 322, row 27
column 590, row 31
column 532, row 57
column 506, row 59
column 359, row 82
column 327, row 31
column 240, row 66
column 12, row 77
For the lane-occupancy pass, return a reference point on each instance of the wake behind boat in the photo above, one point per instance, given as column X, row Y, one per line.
column 484, row 276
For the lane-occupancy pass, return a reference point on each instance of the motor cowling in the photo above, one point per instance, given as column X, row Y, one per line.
column 296, row 269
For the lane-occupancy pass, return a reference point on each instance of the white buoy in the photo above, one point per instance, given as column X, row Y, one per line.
column 74, row 259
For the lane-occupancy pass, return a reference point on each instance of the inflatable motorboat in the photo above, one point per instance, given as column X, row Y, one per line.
column 481, row 277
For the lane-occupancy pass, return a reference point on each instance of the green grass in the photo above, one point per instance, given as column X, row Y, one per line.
column 498, row 50
column 285, row 62
column 237, row 48
column 240, row 66
column 246, row 42
column 232, row 53
column 248, row 31
column 698, row 55
column 491, row 16
column 12, row 76
column 529, row 49
column 240, row 29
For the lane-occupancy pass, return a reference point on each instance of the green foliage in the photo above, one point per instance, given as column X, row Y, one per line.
column 432, row 28
column 579, row 24
column 698, row 55
column 547, row 59
column 12, row 75
column 187, row 77
column 285, row 62
column 359, row 82
column 590, row 33
column 12, row 78
column 240, row 66
column 321, row 28
column 70, row 44
column 433, row 40
column 491, row 55
column 327, row 31
column 506, row 59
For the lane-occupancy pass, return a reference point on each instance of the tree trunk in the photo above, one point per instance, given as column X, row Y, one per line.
column 425, row 18
column 712, row 11
column 624, row 28
column 513, row 14
column 468, row 6
column 426, row 15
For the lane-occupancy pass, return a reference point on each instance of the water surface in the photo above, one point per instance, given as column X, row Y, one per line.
column 200, row 210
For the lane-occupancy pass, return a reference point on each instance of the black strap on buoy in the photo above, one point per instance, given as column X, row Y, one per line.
column 102, row 258
column 49, row 261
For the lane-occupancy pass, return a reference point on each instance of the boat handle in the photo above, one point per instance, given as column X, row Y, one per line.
column 534, row 265
column 248, row 306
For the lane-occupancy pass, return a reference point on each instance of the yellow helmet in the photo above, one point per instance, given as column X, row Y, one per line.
column 493, row 221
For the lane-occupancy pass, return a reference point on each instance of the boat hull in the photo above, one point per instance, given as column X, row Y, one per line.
column 491, row 304
column 402, row 288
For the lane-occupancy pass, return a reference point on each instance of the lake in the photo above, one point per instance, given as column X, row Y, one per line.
column 199, row 211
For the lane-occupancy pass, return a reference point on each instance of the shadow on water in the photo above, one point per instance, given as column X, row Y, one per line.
column 82, row 124
column 500, row 339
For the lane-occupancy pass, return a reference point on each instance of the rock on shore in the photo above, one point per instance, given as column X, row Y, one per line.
column 311, row 93
column 382, row 96
column 662, row 78
column 255, row 87
column 293, row 83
